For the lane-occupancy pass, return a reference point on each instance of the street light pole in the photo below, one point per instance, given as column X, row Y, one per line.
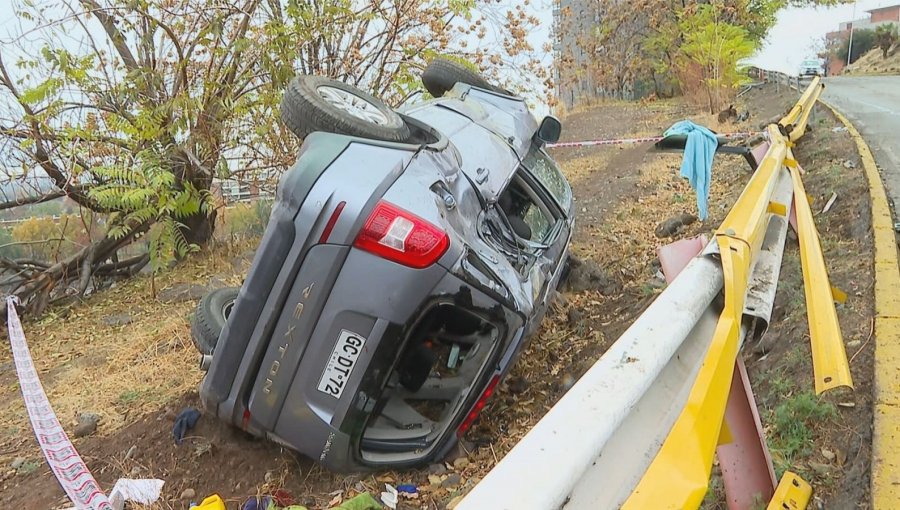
column 850, row 45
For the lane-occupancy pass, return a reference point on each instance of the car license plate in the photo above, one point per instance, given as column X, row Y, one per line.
column 340, row 365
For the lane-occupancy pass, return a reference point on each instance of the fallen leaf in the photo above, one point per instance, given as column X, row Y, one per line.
column 841, row 457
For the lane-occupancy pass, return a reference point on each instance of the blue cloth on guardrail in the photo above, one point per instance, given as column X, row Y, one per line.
column 696, row 166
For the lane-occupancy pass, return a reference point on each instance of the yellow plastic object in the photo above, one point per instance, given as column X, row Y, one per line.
column 725, row 435
column 793, row 493
column 777, row 208
column 678, row 476
column 213, row 502
column 838, row 295
column 829, row 358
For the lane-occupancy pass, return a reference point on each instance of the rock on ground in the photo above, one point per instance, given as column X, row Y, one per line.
column 585, row 274
column 87, row 424
column 674, row 225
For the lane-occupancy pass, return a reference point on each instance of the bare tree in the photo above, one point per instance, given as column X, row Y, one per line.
column 130, row 110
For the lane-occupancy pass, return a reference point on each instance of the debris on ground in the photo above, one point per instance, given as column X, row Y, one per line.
column 390, row 496
column 185, row 421
column 727, row 113
column 829, row 203
column 674, row 225
column 119, row 319
column 182, row 292
column 257, row 503
column 213, row 502
column 407, row 489
column 87, row 424
column 585, row 274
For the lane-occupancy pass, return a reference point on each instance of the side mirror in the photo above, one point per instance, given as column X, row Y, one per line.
column 549, row 130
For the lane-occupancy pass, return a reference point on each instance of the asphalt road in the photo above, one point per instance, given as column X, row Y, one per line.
column 873, row 104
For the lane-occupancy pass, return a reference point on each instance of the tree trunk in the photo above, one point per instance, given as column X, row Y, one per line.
column 198, row 228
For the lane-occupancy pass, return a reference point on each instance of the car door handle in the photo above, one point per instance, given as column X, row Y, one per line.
column 482, row 175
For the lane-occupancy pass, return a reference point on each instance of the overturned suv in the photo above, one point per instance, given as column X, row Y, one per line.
column 409, row 257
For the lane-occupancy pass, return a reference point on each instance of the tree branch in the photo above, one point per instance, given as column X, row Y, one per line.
column 109, row 25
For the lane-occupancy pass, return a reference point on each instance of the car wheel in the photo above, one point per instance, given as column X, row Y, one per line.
column 442, row 74
column 210, row 318
column 314, row 103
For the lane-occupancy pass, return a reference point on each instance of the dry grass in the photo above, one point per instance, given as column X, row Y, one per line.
column 118, row 372
column 874, row 62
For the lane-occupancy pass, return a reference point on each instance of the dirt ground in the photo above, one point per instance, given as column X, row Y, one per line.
column 138, row 371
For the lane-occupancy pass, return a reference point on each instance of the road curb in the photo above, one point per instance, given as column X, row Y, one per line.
column 886, row 426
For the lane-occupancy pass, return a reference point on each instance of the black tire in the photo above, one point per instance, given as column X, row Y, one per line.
column 441, row 75
column 304, row 109
column 210, row 317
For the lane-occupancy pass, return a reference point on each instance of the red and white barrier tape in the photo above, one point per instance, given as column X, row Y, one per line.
column 646, row 139
column 70, row 470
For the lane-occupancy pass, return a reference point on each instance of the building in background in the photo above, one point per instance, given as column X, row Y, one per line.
column 572, row 66
column 834, row 40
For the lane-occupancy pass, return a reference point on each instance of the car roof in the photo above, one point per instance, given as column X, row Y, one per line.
column 491, row 132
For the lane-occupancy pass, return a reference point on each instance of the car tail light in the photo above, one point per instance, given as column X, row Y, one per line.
column 401, row 236
column 476, row 409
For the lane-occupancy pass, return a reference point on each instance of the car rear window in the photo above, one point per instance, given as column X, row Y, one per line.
column 547, row 172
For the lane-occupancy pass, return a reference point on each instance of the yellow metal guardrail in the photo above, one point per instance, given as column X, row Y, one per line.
column 829, row 358
column 679, row 474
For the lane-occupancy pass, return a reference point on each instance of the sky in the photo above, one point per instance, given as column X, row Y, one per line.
column 793, row 37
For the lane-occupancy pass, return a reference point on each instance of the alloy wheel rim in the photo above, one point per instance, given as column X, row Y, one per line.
column 353, row 104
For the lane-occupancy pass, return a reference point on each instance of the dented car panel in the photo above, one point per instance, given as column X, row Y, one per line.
column 331, row 349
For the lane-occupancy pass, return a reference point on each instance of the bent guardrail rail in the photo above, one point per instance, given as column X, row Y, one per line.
column 640, row 429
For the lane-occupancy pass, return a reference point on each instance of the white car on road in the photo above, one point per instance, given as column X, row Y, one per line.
column 812, row 67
